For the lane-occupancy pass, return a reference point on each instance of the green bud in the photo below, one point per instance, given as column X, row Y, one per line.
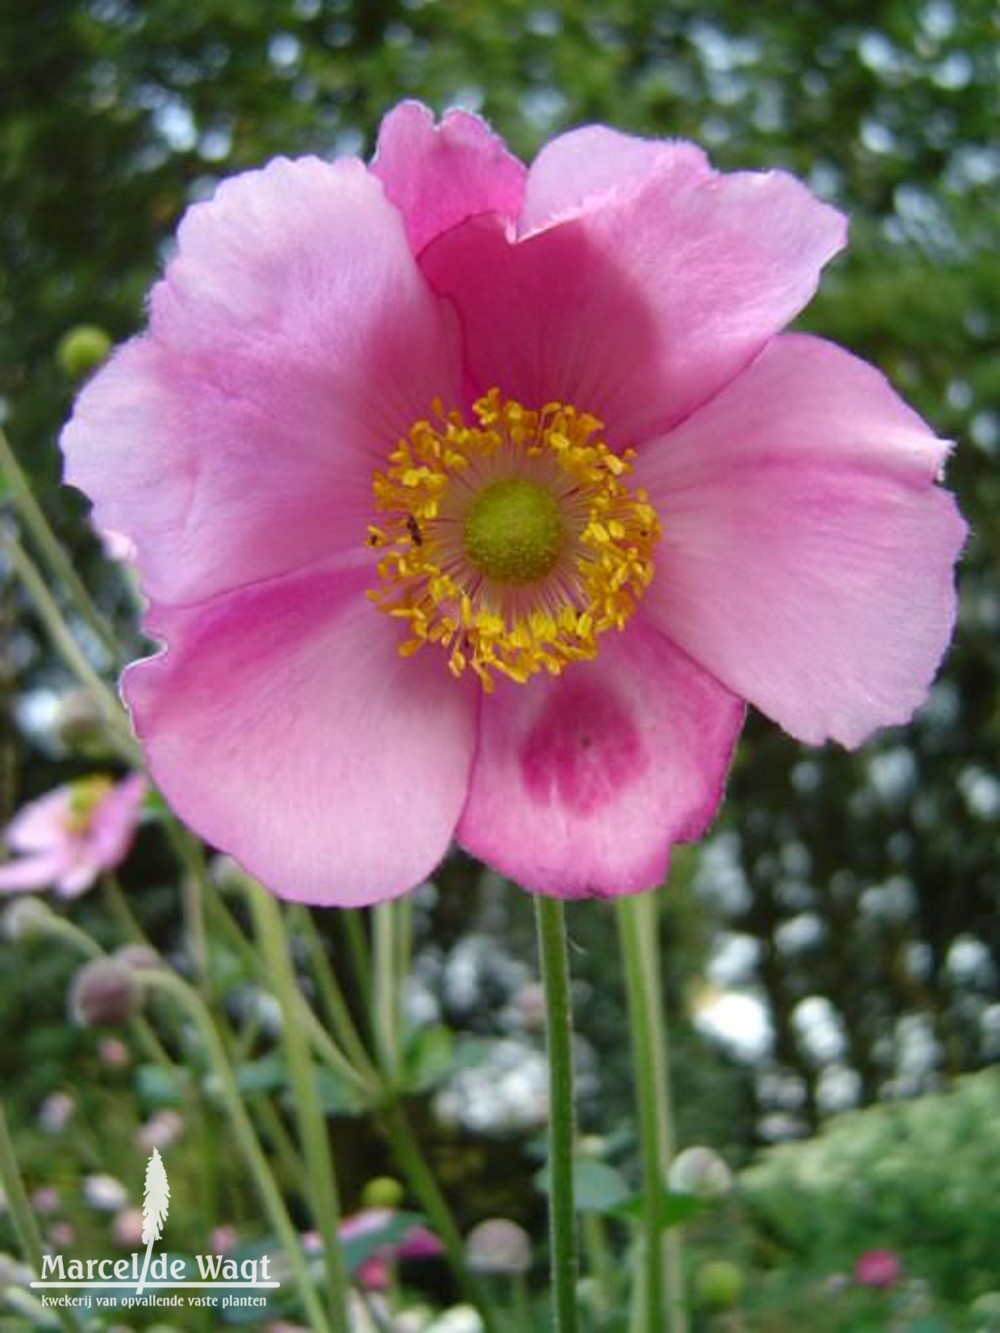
column 82, row 349
column 719, row 1284
column 382, row 1192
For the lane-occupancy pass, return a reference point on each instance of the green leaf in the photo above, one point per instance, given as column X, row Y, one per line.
column 675, row 1209
column 429, row 1058
column 157, row 1086
column 598, row 1188
column 265, row 1074
column 336, row 1096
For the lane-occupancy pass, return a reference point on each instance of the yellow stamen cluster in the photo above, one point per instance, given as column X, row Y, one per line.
column 86, row 795
column 591, row 575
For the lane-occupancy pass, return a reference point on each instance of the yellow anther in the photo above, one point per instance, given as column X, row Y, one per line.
column 513, row 543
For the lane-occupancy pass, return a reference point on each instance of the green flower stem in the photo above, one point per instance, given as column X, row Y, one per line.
column 599, row 1260
column 69, row 650
column 60, row 565
column 331, row 991
column 23, row 1219
column 246, row 1138
column 386, row 993
column 661, row 1251
column 120, row 910
column 357, row 943
column 562, row 1128
column 272, row 940
column 324, row 1045
column 404, row 1143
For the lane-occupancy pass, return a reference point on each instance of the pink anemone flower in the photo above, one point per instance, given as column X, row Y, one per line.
column 473, row 500
column 70, row 835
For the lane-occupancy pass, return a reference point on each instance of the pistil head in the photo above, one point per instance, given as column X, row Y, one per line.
column 514, row 543
column 514, row 531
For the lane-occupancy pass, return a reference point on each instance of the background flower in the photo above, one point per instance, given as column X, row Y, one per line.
column 72, row 834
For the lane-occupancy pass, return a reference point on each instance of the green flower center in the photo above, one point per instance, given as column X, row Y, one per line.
column 514, row 531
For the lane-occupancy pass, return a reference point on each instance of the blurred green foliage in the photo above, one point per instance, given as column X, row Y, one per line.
column 918, row 1178
column 115, row 114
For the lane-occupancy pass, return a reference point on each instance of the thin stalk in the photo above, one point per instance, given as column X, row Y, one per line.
column 272, row 940
column 357, row 943
column 248, row 1143
column 323, row 1043
column 386, row 991
column 192, row 898
column 69, row 650
column 120, row 910
column 422, row 1181
column 23, row 1219
column 59, row 563
column 331, row 991
column 551, row 925
column 661, row 1249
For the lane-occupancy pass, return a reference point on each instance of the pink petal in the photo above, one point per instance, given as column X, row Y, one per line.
column 439, row 175
column 574, row 170
column 283, row 725
column 79, row 875
column 642, row 306
column 114, row 821
column 41, row 825
column 293, row 341
column 32, row 872
column 582, row 783
column 807, row 556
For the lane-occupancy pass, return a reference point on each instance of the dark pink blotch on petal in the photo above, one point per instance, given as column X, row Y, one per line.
column 584, row 751
column 283, row 725
column 438, row 175
column 292, row 342
column 808, row 554
column 576, row 170
column 642, row 307
column 582, row 783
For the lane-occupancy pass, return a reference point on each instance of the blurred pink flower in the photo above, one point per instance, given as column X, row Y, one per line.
column 878, row 1268
column 61, row 1235
column 417, row 1243
column 56, row 1111
column 70, row 835
column 113, row 1053
column 163, row 1128
column 127, row 1228
column 45, row 1199
column 224, row 1238
column 375, row 456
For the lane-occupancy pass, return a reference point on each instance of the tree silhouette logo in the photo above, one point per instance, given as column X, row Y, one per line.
column 155, row 1205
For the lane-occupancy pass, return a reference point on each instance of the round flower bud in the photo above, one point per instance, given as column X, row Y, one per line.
column 701, row 1172
column 719, row 1284
column 382, row 1192
column 26, row 918
column 82, row 349
column 137, row 957
column 80, row 725
column 103, row 992
column 498, row 1246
